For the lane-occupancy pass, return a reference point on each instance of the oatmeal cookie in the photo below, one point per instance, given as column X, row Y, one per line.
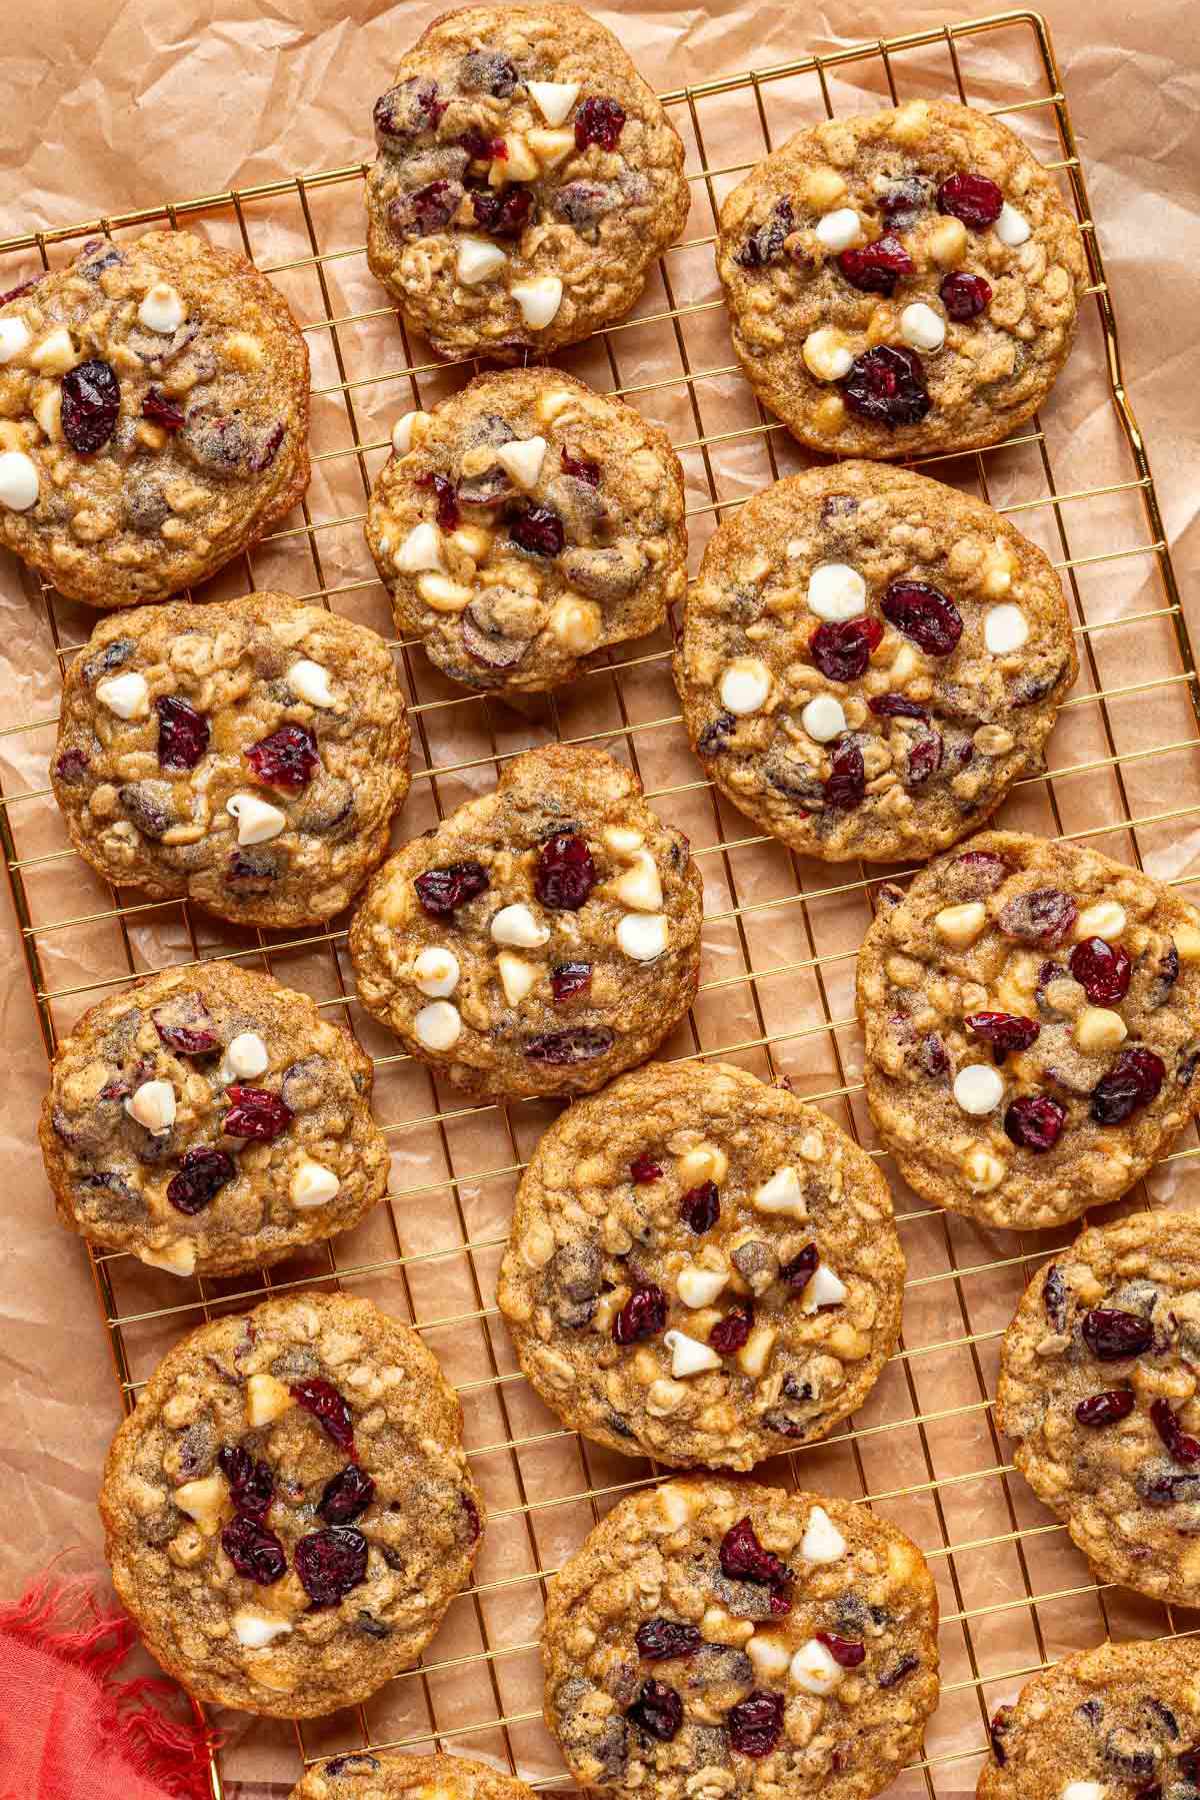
column 153, row 417
column 527, row 180
column 1120, row 1720
column 902, row 282
column 701, row 1268
column 210, row 1120
column 543, row 938
column 1032, row 1021
column 1098, row 1385
column 288, row 1508
column 526, row 523
column 717, row 1638
column 381, row 1775
column 248, row 754
column 869, row 660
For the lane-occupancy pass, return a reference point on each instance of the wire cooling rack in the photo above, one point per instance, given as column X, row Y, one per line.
column 780, row 936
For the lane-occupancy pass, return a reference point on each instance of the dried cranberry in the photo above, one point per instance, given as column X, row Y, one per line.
column 330, row 1563
column 658, row 1711
column 893, row 1676
column 474, row 1525
column 700, row 1207
column 924, row 759
column 252, row 871
column 182, row 734
column 909, row 196
column 160, row 411
column 502, row 214
column 1004, row 1031
column 71, row 766
column 845, row 1651
column 643, row 1168
column 446, row 495
column 1044, row 916
column 659, row 1640
column 979, row 870
column 756, row 1722
column 254, row 1551
column 286, row 760
column 730, row 1333
column 202, row 1175
column 1181, row 1447
column 842, row 649
column 565, row 873
column 483, row 149
column 876, row 268
column 91, row 401
column 425, row 211
column 24, row 287
column 1166, row 975
column 895, row 706
column 1054, row 1297
column 256, row 1114
column 1106, row 1409
column 1131, row 1083
column 931, row 1055
column 1001, row 1721
column 598, row 121
column 763, row 246
column 327, row 1406
column 887, row 386
column 251, row 1483
column 1189, row 1765
column 924, row 614
column 442, row 891
column 1035, row 1121
column 643, row 1315
column 1113, row 1336
column 538, row 530
column 847, row 781
column 581, row 468
column 714, row 737
column 744, row 1559
column 1102, row 970
column 964, row 296
column 346, row 1495
column 187, row 1032
column 569, row 979
column 264, row 455
column 800, row 1271
column 583, row 1043
column 972, row 198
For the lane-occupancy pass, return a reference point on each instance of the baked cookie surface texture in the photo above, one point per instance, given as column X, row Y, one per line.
column 383, row 1775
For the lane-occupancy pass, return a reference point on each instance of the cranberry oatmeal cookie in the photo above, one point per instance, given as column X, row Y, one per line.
column 526, row 523
column 701, row 1268
column 901, row 282
column 1098, row 1385
column 248, row 754
column 1121, row 1722
column 1032, row 1021
column 722, row 1638
column 153, row 417
column 210, row 1120
column 869, row 660
column 383, row 1775
column 527, row 180
column 543, row 938
column 288, row 1508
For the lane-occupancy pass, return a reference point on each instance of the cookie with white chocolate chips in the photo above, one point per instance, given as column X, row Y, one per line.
column 527, row 180
column 701, row 1268
column 210, row 1120
column 526, row 523
column 901, row 282
column 543, row 938
column 382, row 1775
column 870, row 659
column 248, row 754
column 718, row 1638
column 153, row 417
column 1032, row 1021
column 288, row 1509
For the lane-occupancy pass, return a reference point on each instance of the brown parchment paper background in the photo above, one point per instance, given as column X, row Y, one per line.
column 109, row 107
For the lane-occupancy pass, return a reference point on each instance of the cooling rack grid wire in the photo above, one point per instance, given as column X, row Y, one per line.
column 780, row 933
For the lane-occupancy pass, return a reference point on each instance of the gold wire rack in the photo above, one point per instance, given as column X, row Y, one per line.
column 781, row 933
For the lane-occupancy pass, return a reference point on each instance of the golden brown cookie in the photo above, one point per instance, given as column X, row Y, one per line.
column 383, row 1775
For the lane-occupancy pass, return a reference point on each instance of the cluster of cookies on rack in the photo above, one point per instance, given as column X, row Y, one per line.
column 702, row 1269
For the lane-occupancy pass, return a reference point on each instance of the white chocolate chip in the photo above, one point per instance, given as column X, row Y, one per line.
column 18, row 481
column 961, row 925
column 978, row 1089
column 516, row 976
column 823, row 718
column 177, row 1259
column 697, row 1286
column 755, row 1353
column 402, row 430
column 707, row 1162
column 838, row 230
column 822, row 1541
column 1097, row 1029
column 266, row 1399
column 313, row 1185
column 204, row 1501
column 55, row 354
column 576, row 623
column 255, row 1631
column 550, row 147
column 523, row 459
column 517, row 926
column 442, row 594
column 1012, row 227
column 310, row 681
column 825, row 1288
column 745, row 686
column 768, row 1655
column 836, row 592
column 539, row 300
column 643, row 936
column 623, row 840
column 1104, row 920
column 1186, row 939
column 981, row 1170
column 153, row 1105
column 162, row 310
column 257, row 820
column 921, row 327
column 478, row 260
column 781, row 1193
column 438, row 1025
column 1005, row 628
column 126, row 695
column 676, row 1505
column 47, row 410
column 826, row 354
column 421, row 549
column 436, row 971
column 1084, row 1790
column 247, row 1056
column 553, row 99
column 15, row 337
column 688, row 1355
column 640, row 887
column 813, row 1669
column 517, row 164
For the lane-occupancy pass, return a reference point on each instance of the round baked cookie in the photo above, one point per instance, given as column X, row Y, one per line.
column 525, row 524
column 1098, row 1386
column 701, row 1268
column 543, row 938
column 248, row 754
column 527, row 180
column 1031, row 1013
column 1119, row 1721
column 210, row 1120
column 154, row 399
column 288, row 1508
column 382, row 1775
column 901, row 282
column 870, row 659
column 723, row 1638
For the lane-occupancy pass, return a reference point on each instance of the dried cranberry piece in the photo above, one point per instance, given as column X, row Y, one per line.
column 911, row 195
column 256, row 1114
column 264, row 456
column 565, row 873
column 893, row 1676
column 183, row 734
column 847, row 781
column 1035, row 1121
column 643, row 1315
column 187, row 1032
column 442, row 891
column 983, row 871
column 286, row 760
column 1054, row 1297
column 1001, row 1721
column 161, row 411
column 446, row 495
column 1044, row 916
column 876, row 268
column 924, row 759
column 972, row 198
column 346, row 1495
column 254, row 1551
column 1189, row 1765
column 252, row 871
column 657, row 1710
column 964, row 296
column 730, row 1333
column 202, row 1175
column 1181, row 1447
column 744, row 1559
column 1004, row 1031
column 931, row 1055
column 659, row 1640
column 483, row 149
column 1108, row 1408
column 426, row 211
column 845, row 1651
column 327, row 1406
column 887, row 386
column 1166, row 976
column 643, row 1168
column 1131, row 1083
column 1102, row 970
column 251, row 1483
column 581, row 468
column 714, row 737
column 569, row 979
column 756, row 1722
column 598, row 121
column 488, row 72
column 924, row 614
column 91, row 400
column 474, row 1526
column 24, row 287
column 583, row 1043
column 895, row 706
column 842, row 649
column 763, row 246
column 71, row 766
column 538, row 530
column 504, row 214
column 1113, row 1336
column 330, row 1563
column 700, row 1207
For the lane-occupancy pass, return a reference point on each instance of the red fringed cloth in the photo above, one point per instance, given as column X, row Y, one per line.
column 69, row 1728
